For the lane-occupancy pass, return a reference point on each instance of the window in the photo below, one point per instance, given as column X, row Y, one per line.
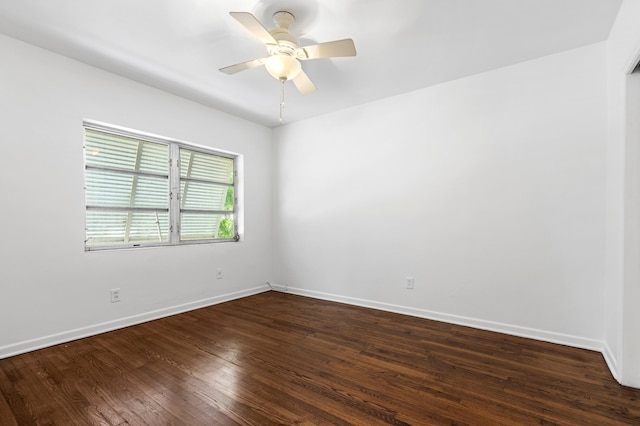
column 142, row 190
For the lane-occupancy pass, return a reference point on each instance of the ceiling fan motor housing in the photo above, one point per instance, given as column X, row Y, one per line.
column 287, row 42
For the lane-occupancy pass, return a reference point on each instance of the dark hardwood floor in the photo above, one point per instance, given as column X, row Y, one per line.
column 277, row 358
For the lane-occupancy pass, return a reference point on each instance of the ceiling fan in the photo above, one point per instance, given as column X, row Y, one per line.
column 285, row 52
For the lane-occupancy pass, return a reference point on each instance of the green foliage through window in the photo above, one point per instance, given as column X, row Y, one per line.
column 227, row 228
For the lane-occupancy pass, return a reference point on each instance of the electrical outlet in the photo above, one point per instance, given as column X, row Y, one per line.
column 410, row 283
column 115, row 295
column 219, row 273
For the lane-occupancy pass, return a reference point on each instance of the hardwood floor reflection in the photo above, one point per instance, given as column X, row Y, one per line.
column 277, row 358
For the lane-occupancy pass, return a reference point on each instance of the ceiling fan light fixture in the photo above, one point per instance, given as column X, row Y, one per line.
column 284, row 52
column 282, row 67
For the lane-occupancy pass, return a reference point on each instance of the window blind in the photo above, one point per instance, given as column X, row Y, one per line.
column 207, row 196
column 130, row 199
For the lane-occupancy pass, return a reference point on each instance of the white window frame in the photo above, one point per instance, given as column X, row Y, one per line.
column 174, row 195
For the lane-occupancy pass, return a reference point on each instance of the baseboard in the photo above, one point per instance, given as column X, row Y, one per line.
column 79, row 333
column 611, row 361
column 278, row 287
column 530, row 333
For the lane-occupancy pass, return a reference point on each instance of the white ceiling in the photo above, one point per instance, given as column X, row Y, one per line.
column 403, row 45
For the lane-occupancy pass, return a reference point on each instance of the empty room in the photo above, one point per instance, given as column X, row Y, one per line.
column 416, row 212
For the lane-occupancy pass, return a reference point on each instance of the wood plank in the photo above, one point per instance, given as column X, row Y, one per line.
column 277, row 358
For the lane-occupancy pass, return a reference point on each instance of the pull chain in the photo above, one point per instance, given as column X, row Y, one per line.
column 282, row 99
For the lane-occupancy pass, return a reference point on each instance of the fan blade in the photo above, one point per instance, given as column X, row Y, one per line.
column 254, row 26
column 232, row 69
column 304, row 85
column 330, row 49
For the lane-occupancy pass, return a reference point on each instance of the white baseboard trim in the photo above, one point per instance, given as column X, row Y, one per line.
column 611, row 361
column 280, row 288
column 530, row 333
column 79, row 333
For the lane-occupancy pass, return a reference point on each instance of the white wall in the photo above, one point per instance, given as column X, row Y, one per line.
column 489, row 191
column 51, row 289
column 631, row 293
column 622, row 316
